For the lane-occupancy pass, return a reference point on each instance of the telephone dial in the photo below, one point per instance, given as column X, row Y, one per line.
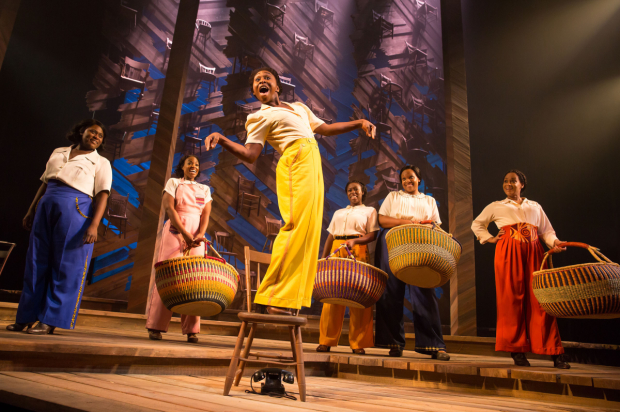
column 273, row 378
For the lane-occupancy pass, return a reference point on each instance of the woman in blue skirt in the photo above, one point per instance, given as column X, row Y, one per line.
column 63, row 219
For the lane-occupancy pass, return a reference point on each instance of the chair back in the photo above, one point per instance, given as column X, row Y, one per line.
column 224, row 241
column 117, row 205
column 301, row 39
column 5, row 251
column 206, row 70
column 260, row 258
column 135, row 70
column 245, row 185
column 392, row 183
column 272, row 226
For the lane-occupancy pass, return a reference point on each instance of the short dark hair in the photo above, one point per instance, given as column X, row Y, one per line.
column 363, row 186
column 266, row 69
column 415, row 169
column 521, row 177
column 76, row 132
column 178, row 170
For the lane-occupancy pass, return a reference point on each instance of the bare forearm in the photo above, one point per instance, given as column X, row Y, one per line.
column 101, row 201
column 387, row 222
column 328, row 246
column 175, row 219
column 339, row 128
column 366, row 239
column 204, row 220
column 37, row 197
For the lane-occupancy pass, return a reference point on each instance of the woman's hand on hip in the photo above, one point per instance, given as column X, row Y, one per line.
column 90, row 236
column 495, row 239
column 27, row 221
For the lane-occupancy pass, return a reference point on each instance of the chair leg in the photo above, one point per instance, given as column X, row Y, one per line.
column 265, row 245
column 234, row 361
column 246, row 350
column 299, row 357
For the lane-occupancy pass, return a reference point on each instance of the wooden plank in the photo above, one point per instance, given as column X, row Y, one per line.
column 607, row 382
column 161, row 159
column 534, row 375
column 455, row 368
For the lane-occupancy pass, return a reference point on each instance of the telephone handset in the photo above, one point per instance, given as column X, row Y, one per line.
column 273, row 378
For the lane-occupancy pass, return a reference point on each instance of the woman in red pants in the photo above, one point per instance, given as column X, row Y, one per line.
column 522, row 326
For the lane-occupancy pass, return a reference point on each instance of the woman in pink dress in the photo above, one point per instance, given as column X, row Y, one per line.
column 188, row 206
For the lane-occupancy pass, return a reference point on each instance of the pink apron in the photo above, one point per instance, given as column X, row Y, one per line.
column 189, row 202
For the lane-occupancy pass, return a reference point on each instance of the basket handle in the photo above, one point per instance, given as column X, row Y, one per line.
column 435, row 226
column 594, row 251
column 347, row 249
column 207, row 243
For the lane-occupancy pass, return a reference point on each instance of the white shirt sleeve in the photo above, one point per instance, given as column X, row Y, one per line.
column 171, row 187
column 332, row 225
column 208, row 197
column 103, row 176
column 545, row 230
column 314, row 121
column 434, row 211
column 372, row 225
column 386, row 206
column 257, row 127
column 481, row 223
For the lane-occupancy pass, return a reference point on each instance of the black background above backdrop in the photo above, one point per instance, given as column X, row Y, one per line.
column 544, row 97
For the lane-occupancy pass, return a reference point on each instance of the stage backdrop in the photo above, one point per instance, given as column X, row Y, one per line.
column 345, row 59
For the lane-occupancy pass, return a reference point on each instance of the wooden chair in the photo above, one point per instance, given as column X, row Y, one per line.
column 134, row 75
column 224, row 243
column 381, row 26
column 288, row 89
column 303, row 47
column 193, row 140
column 326, row 16
column 243, row 355
column 246, row 196
column 273, row 228
column 115, row 142
column 117, row 209
column 380, row 117
column 276, row 13
column 207, row 75
column 5, row 251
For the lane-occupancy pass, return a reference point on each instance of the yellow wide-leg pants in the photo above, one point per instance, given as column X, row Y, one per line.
column 360, row 320
column 289, row 280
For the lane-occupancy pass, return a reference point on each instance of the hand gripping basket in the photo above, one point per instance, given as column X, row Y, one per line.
column 347, row 282
column 422, row 256
column 591, row 290
column 196, row 285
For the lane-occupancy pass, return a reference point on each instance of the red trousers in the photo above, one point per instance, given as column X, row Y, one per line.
column 522, row 326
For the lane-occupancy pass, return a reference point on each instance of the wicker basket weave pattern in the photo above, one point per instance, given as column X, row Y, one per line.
column 196, row 285
column 347, row 282
column 580, row 291
column 417, row 246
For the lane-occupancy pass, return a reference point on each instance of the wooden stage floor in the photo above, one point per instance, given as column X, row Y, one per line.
column 96, row 362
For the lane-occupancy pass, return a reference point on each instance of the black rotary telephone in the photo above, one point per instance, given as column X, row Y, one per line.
column 273, row 378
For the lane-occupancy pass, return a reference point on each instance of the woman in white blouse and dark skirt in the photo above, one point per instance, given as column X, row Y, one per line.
column 403, row 208
column 357, row 226
column 63, row 220
column 522, row 326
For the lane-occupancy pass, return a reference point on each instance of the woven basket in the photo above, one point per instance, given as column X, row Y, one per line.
column 347, row 282
column 422, row 256
column 590, row 290
column 196, row 285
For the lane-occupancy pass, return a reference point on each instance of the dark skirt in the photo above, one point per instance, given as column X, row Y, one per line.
column 390, row 325
column 57, row 260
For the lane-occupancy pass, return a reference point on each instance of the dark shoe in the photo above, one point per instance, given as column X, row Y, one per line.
column 360, row 351
column 154, row 334
column 192, row 338
column 396, row 352
column 558, row 362
column 18, row 327
column 323, row 348
column 440, row 355
column 42, row 329
column 274, row 310
column 520, row 359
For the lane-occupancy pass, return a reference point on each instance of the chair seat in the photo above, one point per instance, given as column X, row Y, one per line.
column 274, row 319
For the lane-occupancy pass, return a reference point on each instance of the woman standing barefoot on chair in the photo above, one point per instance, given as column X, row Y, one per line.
column 289, row 128
column 188, row 205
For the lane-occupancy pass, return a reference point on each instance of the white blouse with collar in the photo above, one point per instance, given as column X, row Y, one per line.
column 354, row 220
column 507, row 212
column 401, row 205
column 174, row 182
column 89, row 173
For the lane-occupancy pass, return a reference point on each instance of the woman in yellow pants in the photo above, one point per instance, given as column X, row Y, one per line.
column 357, row 226
column 289, row 128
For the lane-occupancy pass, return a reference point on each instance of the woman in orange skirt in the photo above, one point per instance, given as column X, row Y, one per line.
column 522, row 326
column 357, row 226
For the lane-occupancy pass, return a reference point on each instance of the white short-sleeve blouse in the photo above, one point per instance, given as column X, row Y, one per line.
column 280, row 127
column 354, row 220
column 89, row 173
column 173, row 183
column 401, row 205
